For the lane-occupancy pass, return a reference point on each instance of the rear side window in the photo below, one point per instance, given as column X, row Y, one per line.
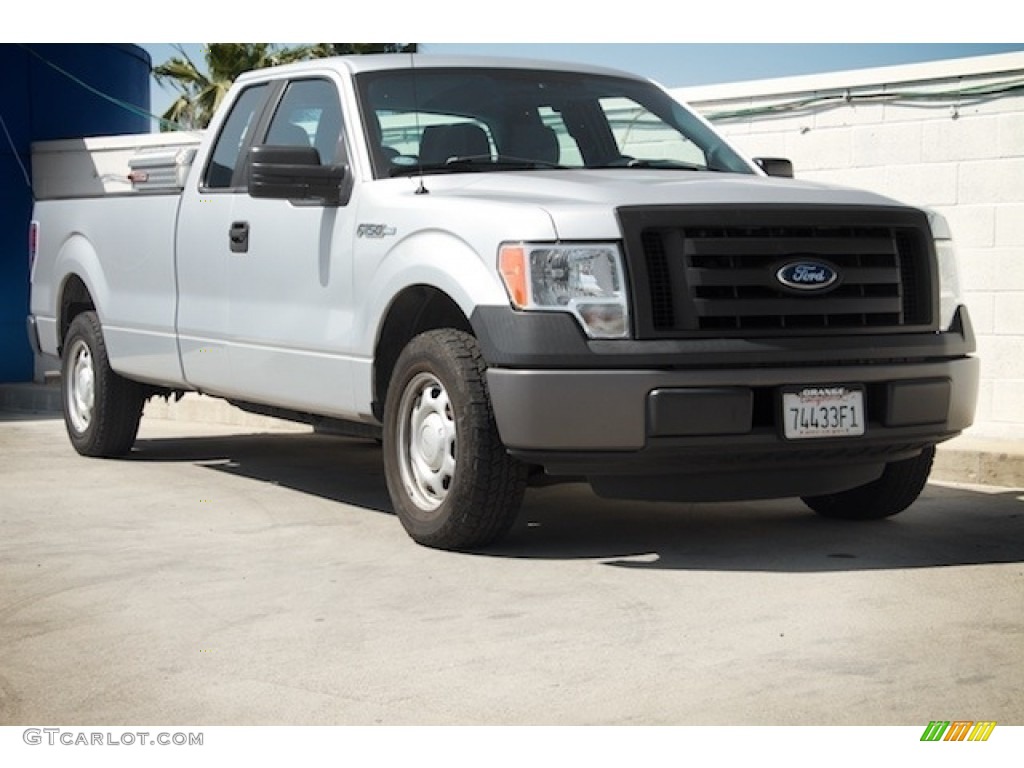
column 234, row 134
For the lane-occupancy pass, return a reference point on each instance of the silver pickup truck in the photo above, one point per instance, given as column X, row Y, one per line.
column 511, row 270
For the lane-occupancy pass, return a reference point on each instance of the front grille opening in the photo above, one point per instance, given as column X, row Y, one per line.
column 660, row 280
column 722, row 279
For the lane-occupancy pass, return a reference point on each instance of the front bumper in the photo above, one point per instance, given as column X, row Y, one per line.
column 716, row 435
column 622, row 411
column 720, row 426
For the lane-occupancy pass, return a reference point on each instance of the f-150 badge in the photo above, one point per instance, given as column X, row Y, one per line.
column 374, row 230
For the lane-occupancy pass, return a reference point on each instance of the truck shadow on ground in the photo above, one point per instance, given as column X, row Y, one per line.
column 340, row 469
column 19, row 415
column 948, row 526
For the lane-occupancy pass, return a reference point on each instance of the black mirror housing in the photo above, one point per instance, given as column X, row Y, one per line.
column 295, row 173
column 779, row 167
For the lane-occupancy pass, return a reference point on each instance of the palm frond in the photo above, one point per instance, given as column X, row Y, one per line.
column 201, row 89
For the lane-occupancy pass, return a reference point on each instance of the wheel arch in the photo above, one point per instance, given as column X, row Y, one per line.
column 415, row 310
column 83, row 284
column 75, row 298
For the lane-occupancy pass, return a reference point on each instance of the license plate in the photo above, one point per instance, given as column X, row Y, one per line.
column 826, row 411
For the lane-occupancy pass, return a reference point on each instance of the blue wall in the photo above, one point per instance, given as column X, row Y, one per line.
column 37, row 103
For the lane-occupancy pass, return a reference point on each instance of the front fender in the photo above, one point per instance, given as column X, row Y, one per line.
column 433, row 258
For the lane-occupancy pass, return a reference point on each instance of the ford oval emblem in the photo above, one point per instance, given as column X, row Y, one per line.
column 807, row 275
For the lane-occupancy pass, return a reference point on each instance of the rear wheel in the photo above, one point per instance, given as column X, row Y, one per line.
column 898, row 487
column 451, row 481
column 101, row 409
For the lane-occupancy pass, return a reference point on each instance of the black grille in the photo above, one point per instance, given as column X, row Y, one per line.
column 660, row 278
column 705, row 271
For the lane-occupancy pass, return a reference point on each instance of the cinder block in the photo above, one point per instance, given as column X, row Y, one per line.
column 731, row 129
column 886, row 144
column 968, row 138
column 763, row 145
column 1001, row 358
column 982, row 307
column 991, row 269
column 1010, row 135
column 973, row 226
column 1009, row 223
column 920, row 184
column 983, row 413
column 991, row 181
column 1009, row 315
column 822, row 149
column 1008, row 400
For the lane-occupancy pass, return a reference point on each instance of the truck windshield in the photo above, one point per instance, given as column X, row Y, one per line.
column 462, row 120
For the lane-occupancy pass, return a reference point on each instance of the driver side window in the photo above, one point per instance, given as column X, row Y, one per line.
column 233, row 136
column 309, row 115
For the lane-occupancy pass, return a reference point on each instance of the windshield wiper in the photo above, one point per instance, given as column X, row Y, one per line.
column 658, row 163
column 460, row 163
column 503, row 162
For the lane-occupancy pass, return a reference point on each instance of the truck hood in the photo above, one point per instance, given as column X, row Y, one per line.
column 582, row 203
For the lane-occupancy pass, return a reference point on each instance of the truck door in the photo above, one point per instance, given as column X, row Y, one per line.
column 203, row 251
column 290, row 313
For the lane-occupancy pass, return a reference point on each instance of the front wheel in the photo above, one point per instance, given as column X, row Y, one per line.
column 451, row 481
column 101, row 409
column 898, row 487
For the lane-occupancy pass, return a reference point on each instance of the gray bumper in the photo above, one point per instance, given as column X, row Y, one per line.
column 595, row 411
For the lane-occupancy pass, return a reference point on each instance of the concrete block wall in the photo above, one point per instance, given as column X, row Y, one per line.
column 925, row 135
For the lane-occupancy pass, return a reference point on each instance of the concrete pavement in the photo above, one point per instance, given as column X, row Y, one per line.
column 233, row 575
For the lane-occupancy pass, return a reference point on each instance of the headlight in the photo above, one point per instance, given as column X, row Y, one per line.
column 585, row 280
column 949, row 274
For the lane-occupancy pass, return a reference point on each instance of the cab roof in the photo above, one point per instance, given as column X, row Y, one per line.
column 377, row 62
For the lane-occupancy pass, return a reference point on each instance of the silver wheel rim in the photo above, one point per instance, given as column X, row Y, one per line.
column 426, row 442
column 81, row 394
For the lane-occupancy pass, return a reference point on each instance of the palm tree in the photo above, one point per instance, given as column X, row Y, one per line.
column 201, row 90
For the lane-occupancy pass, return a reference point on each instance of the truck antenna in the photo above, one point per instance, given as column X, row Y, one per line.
column 422, row 188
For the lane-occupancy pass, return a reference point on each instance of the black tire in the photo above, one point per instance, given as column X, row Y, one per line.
column 898, row 487
column 451, row 481
column 101, row 409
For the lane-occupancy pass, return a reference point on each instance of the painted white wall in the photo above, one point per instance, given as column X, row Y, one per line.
column 962, row 156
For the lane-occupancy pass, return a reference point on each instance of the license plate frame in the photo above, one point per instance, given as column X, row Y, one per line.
column 822, row 411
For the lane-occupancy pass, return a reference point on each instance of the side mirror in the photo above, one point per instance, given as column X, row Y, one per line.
column 295, row 173
column 776, row 166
